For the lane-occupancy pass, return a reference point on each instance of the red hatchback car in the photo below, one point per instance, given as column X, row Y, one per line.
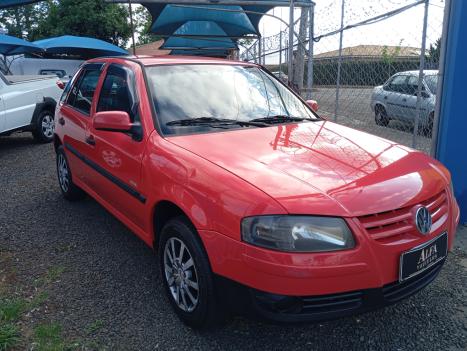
column 236, row 182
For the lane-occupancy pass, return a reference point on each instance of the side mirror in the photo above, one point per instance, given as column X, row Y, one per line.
column 112, row 121
column 117, row 121
column 60, row 84
column 313, row 105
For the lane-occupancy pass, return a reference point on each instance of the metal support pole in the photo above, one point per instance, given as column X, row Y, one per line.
column 260, row 50
column 280, row 54
column 311, row 32
column 420, row 78
column 132, row 27
column 290, row 49
column 339, row 62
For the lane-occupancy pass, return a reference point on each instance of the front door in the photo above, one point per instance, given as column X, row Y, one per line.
column 75, row 113
column 394, row 97
column 118, row 155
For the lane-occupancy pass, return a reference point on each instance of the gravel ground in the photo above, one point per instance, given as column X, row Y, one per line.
column 106, row 290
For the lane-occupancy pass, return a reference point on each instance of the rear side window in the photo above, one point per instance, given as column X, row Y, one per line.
column 118, row 92
column 82, row 92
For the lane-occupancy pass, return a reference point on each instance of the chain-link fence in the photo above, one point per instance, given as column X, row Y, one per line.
column 374, row 64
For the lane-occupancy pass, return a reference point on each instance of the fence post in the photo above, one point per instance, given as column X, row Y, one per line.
column 290, row 48
column 339, row 62
column 420, row 78
column 280, row 54
column 311, row 33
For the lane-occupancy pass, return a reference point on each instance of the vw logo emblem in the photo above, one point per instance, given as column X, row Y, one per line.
column 423, row 220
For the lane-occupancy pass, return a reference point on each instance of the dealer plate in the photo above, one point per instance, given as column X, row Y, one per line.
column 423, row 257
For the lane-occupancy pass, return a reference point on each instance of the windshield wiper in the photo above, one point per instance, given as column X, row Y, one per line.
column 213, row 120
column 279, row 119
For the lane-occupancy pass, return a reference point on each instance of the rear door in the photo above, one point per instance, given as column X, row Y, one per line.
column 411, row 103
column 117, row 156
column 74, row 114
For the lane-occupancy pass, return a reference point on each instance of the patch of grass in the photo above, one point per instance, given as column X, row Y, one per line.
column 48, row 337
column 54, row 273
column 95, row 326
column 11, row 309
column 9, row 336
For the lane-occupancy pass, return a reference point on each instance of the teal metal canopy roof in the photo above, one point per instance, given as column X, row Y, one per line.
column 14, row 46
column 206, row 29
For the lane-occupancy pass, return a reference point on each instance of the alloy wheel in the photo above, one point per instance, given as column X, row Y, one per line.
column 48, row 126
column 63, row 174
column 181, row 275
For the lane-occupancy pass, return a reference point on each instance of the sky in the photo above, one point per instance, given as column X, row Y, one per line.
column 404, row 29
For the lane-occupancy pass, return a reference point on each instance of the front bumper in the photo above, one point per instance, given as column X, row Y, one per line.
column 281, row 308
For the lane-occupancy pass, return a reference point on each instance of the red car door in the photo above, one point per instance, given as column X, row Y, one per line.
column 75, row 113
column 117, row 156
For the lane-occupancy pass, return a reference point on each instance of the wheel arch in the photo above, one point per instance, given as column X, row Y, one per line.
column 48, row 104
column 379, row 105
column 162, row 212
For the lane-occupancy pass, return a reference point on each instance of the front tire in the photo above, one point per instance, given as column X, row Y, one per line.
column 69, row 190
column 187, row 275
column 44, row 127
column 381, row 117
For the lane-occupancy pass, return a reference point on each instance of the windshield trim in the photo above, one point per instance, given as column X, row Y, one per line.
column 150, row 94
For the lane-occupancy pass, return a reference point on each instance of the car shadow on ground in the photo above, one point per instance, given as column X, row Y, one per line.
column 15, row 141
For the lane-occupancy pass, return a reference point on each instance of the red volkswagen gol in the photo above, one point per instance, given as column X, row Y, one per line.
column 232, row 177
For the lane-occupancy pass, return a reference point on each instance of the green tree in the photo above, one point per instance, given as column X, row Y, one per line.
column 22, row 21
column 434, row 52
column 92, row 18
column 143, row 23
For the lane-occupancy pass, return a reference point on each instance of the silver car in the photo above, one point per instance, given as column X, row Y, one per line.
column 397, row 99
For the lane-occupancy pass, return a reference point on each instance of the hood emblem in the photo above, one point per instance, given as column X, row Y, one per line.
column 423, row 220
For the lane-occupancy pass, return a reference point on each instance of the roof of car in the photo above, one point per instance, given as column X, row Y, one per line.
column 426, row 72
column 176, row 59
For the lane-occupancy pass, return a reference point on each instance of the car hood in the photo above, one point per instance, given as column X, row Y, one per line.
column 322, row 167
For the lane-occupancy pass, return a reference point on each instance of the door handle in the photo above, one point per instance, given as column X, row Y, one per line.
column 385, row 98
column 404, row 99
column 61, row 121
column 90, row 140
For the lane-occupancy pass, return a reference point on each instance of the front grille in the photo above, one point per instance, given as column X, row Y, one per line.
column 398, row 291
column 332, row 303
column 391, row 224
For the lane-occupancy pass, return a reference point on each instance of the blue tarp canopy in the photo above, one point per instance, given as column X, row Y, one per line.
column 222, row 25
column 82, row 46
column 14, row 46
column 9, row 3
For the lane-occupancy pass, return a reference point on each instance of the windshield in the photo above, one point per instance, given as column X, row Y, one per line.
column 432, row 82
column 227, row 92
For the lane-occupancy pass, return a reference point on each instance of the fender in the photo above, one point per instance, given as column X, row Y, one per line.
column 48, row 103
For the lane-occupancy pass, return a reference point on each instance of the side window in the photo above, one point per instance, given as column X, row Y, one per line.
column 118, row 93
column 82, row 92
column 398, row 84
column 413, row 85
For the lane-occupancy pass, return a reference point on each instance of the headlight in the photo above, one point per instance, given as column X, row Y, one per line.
column 298, row 233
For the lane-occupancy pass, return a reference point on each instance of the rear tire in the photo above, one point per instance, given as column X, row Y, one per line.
column 187, row 276
column 44, row 127
column 381, row 117
column 69, row 190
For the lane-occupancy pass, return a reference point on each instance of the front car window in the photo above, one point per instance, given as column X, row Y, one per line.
column 432, row 83
column 240, row 93
column 82, row 92
column 397, row 84
column 118, row 93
